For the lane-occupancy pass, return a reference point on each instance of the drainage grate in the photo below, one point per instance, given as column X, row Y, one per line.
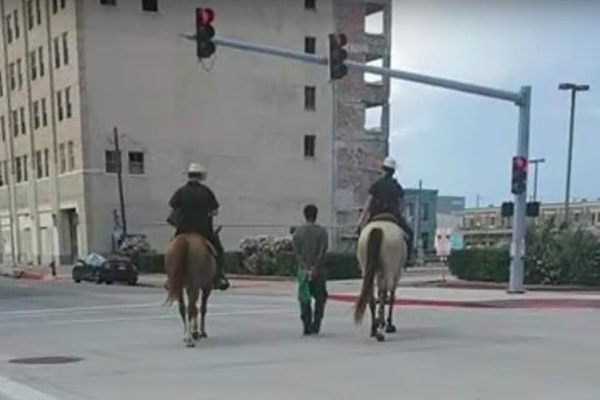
column 45, row 360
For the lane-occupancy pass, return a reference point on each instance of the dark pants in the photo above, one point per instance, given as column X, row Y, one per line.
column 318, row 291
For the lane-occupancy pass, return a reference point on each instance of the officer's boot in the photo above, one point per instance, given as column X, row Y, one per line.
column 221, row 282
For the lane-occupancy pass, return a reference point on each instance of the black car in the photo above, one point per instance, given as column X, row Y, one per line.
column 113, row 269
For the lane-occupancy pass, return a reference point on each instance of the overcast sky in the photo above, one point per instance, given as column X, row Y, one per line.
column 462, row 144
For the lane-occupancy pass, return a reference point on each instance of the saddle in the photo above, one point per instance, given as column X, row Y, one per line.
column 389, row 217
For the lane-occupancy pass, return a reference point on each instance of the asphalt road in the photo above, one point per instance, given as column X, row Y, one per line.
column 131, row 348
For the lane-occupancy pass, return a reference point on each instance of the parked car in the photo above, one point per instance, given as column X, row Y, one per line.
column 99, row 269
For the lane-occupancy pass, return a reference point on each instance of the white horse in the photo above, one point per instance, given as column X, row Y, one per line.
column 381, row 252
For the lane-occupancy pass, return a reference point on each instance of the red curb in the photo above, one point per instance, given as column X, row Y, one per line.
column 31, row 276
column 501, row 286
column 499, row 304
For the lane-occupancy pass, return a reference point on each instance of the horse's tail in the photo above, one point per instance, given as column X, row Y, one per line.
column 373, row 265
column 175, row 259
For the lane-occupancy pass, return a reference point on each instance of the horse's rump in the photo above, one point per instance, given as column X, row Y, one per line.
column 189, row 259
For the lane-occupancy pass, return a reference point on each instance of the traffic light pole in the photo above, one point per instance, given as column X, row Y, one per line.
column 522, row 99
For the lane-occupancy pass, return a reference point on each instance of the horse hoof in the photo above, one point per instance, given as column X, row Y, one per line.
column 189, row 343
column 196, row 336
column 373, row 332
column 380, row 337
column 391, row 328
column 203, row 335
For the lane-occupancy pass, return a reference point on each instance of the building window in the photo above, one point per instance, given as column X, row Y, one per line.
column 9, row 32
column 310, row 98
column 425, row 212
column 30, row 16
column 15, row 122
column 1, row 174
column 63, row 4
column 33, row 65
column 44, row 113
column 19, row 73
column 17, row 27
column 22, row 119
column 65, row 44
column 39, row 166
column 1, row 85
column 136, row 163
column 54, row 6
column 68, row 105
column 59, row 106
column 150, row 5
column 18, row 170
column 309, row 145
column 62, row 159
column 38, row 12
column 310, row 4
column 56, row 53
column 11, row 76
column 36, row 114
column 70, row 155
column 41, row 61
column 25, row 169
column 3, row 128
column 310, row 44
column 108, row 2
column 46, row 162
column 111, row 161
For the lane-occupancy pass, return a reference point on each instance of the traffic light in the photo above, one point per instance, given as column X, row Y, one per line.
column 205, row 32
column 507, row 209
column 519, row 175
column 337, row 56
column 533, row 209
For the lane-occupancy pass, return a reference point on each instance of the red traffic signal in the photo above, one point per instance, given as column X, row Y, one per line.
column 520, row 163
column 204, row 16
column 341, row 40
column 337, row 56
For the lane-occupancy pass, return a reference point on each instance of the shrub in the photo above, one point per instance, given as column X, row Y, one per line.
column 554, row 255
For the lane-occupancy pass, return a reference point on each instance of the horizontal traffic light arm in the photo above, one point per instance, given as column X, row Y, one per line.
column 514, row 97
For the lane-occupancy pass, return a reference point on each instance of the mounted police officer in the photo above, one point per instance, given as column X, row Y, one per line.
column 193, row 207
column 386, row 195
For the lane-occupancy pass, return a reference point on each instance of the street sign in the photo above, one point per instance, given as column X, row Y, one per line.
column 442, row 242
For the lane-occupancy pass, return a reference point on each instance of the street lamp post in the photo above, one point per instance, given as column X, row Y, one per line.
column 535, row 162
column 574, row 88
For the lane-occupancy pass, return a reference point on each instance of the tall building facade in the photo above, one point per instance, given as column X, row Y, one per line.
column 273, row 133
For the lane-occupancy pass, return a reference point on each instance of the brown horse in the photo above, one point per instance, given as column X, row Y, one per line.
column 190, row 264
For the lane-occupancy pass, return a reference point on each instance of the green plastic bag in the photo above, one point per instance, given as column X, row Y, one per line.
column 303, row 287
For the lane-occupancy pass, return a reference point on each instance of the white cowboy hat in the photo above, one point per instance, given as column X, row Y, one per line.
column 196, row 168
column 389, row 163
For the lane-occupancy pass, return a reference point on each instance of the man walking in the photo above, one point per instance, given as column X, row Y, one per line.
column 310, row 245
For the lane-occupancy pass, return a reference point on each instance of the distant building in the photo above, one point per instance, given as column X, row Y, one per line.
column 427, row 199
column 485, row 226
column 453, row 205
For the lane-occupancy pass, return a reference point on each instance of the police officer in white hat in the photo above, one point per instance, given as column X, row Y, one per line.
column 195, row 205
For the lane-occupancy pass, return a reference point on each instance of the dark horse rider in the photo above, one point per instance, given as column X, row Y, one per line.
column 194, row 206
column 386, row 195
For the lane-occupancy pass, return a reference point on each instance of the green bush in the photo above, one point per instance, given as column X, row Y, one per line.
column 555, row 255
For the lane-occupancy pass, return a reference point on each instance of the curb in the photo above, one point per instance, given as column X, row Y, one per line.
column 541, row 304
column 502, row 286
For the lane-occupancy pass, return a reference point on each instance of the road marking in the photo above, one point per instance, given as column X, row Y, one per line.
column 151, row 317
column 71, row 309
column 17, row 391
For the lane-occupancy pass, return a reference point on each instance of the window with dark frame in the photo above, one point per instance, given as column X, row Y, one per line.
column 39, row 165
column 41, row 61
column 111, row 161
column 150, row 5
column 65, row 44
column 310, row 98
column 38, row 12
column 310, row 142
column 108, row 2
column 136, row 163
column 310, row 4
column 310, row 44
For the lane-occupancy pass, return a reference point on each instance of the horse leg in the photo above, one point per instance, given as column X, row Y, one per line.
column 192, row 314
column 203, row 306
column 380, row 315
column 372, row 305
column 183, row 315
column 390, row 327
